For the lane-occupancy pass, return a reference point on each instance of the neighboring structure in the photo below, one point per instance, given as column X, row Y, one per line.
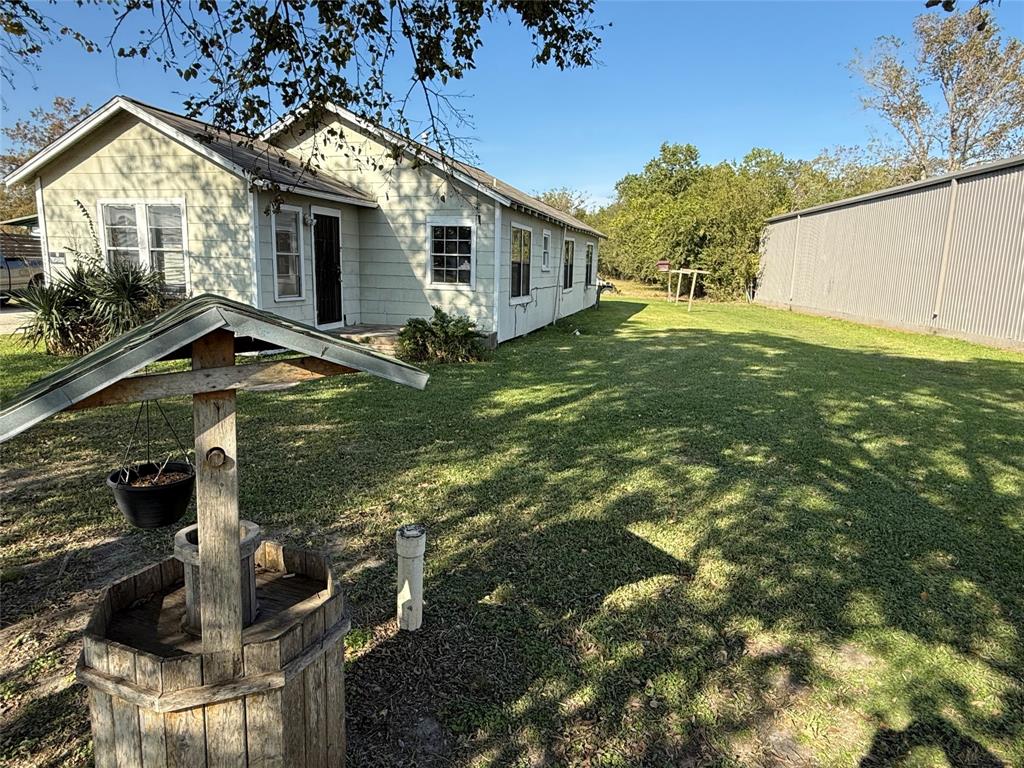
column 382, row 232
column 944, row 255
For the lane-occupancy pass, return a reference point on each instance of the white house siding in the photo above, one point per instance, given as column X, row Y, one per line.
column 394, row 271
column 516, row 317
column 125, row 159
column 304, row 310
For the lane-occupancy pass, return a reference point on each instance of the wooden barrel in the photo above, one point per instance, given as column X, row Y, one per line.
column 148, row 702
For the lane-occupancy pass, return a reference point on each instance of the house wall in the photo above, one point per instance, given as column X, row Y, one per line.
column 127, row 159
column 304, row 310
column 394, row 268
column 515, row 316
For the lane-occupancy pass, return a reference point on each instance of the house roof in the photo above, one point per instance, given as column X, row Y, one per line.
column 476, row 178
column 998, row 165
column 171, row 334
column 28, row 220
column 255, row 160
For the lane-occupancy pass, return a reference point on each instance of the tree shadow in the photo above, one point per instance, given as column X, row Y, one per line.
column 681, row 546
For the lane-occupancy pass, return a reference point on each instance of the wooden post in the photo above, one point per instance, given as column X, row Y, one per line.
column 220, row 584
column 693, row 282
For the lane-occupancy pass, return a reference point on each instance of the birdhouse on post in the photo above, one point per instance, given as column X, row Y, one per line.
column 230, row 652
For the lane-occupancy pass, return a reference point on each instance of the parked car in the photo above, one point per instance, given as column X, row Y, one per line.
column 18, row 273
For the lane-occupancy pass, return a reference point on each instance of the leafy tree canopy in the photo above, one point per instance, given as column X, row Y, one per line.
column 247, row 62
column 571, row 201
column 954, row 97
column 43, row 126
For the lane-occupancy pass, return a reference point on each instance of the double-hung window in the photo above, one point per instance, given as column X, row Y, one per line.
column 567, row 264
column 522, row 243
column 451, row 254
column 589, row 276
column 151, row 234
column 545, row 251
column 287, row 224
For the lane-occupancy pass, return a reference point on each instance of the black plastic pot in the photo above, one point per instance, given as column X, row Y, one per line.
column 152, row 506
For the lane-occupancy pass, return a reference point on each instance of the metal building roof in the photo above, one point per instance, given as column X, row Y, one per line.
column 976, row 170
column 173, row 332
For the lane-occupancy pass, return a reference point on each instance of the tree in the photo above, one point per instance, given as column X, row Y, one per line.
column 571, row 201
column 956, row 100
column 248, row 62
column 43, row 126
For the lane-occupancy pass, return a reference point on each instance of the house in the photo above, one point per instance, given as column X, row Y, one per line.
column 381, row 231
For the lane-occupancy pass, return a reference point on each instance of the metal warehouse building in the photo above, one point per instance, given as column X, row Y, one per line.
column 944, row 255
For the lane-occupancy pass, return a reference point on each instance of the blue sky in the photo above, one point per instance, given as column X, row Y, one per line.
column 725, row 76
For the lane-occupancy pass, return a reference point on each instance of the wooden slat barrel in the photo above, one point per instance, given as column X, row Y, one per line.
column 147, row 696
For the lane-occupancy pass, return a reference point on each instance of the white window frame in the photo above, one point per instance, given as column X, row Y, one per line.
column 140, row 204
column 589, row 262
column 545, row 253
column 561, row 277
column 302, row 253
column 450, row 221
column 526, row 299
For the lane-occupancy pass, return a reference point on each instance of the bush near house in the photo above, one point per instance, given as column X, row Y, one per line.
column 444, row 338
column 90, row 304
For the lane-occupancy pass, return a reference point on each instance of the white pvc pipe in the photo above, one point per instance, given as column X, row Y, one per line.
column 411, row 543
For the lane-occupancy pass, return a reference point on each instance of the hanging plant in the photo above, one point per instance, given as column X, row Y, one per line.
column 151, row 494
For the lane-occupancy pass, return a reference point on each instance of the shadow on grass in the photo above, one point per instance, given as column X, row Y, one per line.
column 656, row 545
column 861, row 503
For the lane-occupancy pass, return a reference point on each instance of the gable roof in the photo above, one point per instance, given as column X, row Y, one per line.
column 475, row 178
column 254, row 160
column 173, row 332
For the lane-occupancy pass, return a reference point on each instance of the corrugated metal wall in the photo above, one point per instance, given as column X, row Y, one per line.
column 880, row 260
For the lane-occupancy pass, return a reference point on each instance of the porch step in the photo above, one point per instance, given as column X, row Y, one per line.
column 382, row 338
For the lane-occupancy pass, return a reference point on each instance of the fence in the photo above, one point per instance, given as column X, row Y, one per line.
column 945, row 255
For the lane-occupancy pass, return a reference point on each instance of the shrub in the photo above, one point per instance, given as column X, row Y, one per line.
column 88, row 305
column 444, row 338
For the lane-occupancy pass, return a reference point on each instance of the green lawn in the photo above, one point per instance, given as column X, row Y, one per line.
column 736, row 536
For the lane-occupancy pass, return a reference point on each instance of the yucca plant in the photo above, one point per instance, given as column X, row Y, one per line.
column 87, row 305
column 124, row 296
column 60, row 320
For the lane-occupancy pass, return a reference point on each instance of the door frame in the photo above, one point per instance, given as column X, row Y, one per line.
column 319, row 210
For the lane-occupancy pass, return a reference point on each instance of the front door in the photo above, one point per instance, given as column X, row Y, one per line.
column 327, row 260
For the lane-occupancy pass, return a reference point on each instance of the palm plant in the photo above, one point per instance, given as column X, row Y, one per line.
column 124, row 296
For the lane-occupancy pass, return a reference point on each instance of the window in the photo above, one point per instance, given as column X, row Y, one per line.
column 287, row 225
column 588, row 278
column 567, row 264
column 545, row 251
column 451, row 254
column 121, row 232
column 148, row 233
column 166, row 242
column 522, row 243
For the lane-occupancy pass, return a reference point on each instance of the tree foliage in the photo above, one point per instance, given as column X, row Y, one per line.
column 568, row 200
column 953, row 98
column 711, row 216
column 43, row 126
column 247, row 62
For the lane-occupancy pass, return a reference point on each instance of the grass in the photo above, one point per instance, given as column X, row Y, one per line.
column 735, row 536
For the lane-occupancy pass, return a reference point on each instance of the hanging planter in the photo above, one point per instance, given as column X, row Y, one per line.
column 151, row 494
